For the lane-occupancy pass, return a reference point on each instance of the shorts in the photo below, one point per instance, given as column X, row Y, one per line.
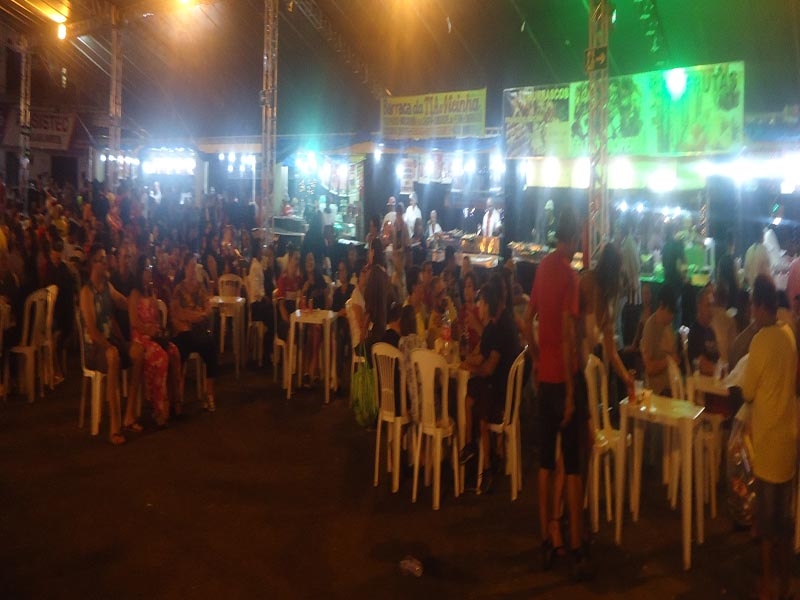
column 551, row 411
column 490, row 400
column 773, row 516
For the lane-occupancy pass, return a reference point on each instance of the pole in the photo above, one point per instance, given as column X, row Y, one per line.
column 115, row 98
column 269, row 109
column 597, row 67
column 24, row 124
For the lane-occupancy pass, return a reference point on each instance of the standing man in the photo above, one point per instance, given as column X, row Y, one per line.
column 491, row 220
column 412, row 213
column 563, row 409
column 769, row 386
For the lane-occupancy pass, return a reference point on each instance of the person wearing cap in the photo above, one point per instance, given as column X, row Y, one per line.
column 389, row 217
column 412, row 214
column 57, row 273
column 491, row 219
column 549, row 223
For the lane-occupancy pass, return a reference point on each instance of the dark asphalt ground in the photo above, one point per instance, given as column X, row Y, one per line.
column 269, row 498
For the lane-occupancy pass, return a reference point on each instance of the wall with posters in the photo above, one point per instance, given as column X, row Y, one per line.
column 675, row 112
column 447, row 114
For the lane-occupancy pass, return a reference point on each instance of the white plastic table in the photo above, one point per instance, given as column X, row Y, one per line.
column 227, row 305
column 668, row 413
column 312, row 317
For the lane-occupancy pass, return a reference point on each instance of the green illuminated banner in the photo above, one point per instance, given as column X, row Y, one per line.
column 696, row 110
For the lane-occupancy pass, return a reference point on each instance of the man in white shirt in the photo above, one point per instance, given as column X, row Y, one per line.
column 412, row 214
column 491, row 219
column 433, row 226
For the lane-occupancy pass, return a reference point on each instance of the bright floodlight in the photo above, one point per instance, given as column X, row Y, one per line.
column 458, row 165
column 676, row 82
column 232, row 157
column 662, row 180
column 377, row 154
column 470, row 167
column 581, row 172
column 398, row 170
column 787, row 187
column 341, row 171
column 429, row 167
column 221, row 156
column 62, row 31
column 622, row 174
column 551, row 171
column 623, row 206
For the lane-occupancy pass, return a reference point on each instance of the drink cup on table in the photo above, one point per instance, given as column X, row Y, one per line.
column 638, row 390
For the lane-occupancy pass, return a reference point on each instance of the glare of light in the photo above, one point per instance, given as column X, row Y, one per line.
column 777, row 221
column 136, row 162
column 676, row 212
column 662, row 180
column 623, row 206
column 551, row 171
column 230, row 168
column 458, row 165
column 666, row 211
column 311, row 159
column 622, row 174
column 787, row 187
column 62, row 31
column 398, row 170
column 639, row 207
column 221, row 156
column 148, row 167
column 676, row 82
column 112, row 158
column 128, row 160
column 103, row 158
column 429, row 167
column 470, row 167
column 301, row 164
column 342, row 170
column 581, row 173
column 232, row 157
column 530, row 173
column 325, row 172
column 377, row 154
column 497, row 165
column 241, row 168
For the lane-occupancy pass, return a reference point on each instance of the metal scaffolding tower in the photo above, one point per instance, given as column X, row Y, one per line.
column 597, row 68
column 24, row 122
column 269, row 114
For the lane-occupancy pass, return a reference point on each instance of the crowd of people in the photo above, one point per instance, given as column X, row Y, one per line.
column 115, row 268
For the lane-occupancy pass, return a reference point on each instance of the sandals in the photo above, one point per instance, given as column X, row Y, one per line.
column 133, row 427
column 116, row 439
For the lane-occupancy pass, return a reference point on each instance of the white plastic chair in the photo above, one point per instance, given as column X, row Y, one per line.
column 96, row 379
column 48, row 344
column 712, row 440
column 33, row 335
column 606, row 439
column 509, row 428
column 229, row 285
column 355, row 338
column 280, row 349
column 430, row 368
column 388, row 362
column 256, row 330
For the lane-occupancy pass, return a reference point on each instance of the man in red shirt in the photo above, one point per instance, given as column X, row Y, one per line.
column 562, row 394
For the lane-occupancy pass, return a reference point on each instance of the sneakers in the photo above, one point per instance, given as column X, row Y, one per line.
column 467, row 453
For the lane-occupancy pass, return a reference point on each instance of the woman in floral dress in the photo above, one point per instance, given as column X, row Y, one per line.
column 162, row 361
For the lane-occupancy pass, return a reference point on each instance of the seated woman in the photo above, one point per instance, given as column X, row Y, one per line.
column 315, row 292
column 469, row 320
column 289, row 284
column 190, row 313
column 162, row 361
column 410, row 341
column 489, row 368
